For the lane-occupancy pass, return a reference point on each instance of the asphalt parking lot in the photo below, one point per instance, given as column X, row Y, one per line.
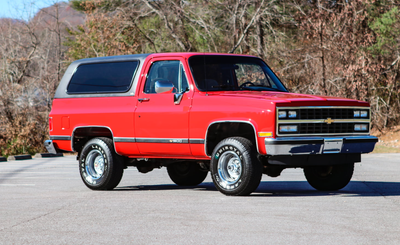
column 43, row 201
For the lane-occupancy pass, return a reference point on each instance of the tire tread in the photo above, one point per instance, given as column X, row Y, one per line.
column 116, row 168
column 336, row 180
column 254, row 171
column 193, row 177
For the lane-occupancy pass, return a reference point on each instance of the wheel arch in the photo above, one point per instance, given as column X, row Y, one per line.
column 82, row 134
column 219, row 130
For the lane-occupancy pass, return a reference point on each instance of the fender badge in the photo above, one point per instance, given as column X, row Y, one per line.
column 329, row 121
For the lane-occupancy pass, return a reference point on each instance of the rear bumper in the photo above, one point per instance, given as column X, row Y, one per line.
column 319, row 145
column 50, row 147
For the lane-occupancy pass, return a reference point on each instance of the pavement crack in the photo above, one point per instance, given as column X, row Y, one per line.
column 38, row 217
column 383, row 194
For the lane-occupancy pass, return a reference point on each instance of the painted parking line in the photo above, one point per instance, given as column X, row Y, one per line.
column 17, row 184
column 27, row 172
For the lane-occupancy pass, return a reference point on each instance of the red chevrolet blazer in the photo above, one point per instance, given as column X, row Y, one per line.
column 195, row 113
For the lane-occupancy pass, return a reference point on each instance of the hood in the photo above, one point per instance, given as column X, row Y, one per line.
column 293, row 98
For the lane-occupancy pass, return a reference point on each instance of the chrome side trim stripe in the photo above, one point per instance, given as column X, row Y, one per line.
column 196, row 141
column 60, row 137
column 157, row 140
column 124, row 139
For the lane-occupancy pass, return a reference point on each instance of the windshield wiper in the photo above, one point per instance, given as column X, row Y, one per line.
column 260, row 88
column 223, row 86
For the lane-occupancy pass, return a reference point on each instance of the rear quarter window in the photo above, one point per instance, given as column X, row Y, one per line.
column 110, row 77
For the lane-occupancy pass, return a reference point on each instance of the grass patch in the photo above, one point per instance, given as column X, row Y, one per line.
column 385, row 149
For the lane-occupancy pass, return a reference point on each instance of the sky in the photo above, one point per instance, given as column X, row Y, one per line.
column 23, row 9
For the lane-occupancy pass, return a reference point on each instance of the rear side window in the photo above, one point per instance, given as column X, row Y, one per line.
column 113, row 77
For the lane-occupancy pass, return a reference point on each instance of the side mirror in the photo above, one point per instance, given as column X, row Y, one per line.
column 163, row 86
column 178, row 97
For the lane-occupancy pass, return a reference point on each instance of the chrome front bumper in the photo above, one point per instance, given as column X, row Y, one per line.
column 319, row 145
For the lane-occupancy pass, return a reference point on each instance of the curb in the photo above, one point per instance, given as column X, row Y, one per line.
column 47, row 155
column 28, row 157
column 19, row 157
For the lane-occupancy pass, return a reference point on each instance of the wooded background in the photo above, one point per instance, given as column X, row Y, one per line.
column 348, row 48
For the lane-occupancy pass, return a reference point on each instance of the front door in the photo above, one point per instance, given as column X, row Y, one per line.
column 161, row 121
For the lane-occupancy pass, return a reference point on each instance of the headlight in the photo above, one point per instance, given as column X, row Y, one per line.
column 362, row 113
column 288, row 129
column 282, row 114
column 360, row 127
column 292, row 114
column 287, row 114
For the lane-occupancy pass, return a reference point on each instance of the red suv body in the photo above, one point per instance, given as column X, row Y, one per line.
column 194, row 113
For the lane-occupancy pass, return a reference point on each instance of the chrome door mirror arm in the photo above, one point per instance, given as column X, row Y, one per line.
column 178, row 96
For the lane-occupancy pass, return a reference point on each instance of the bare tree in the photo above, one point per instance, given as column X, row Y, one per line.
column 31, row 55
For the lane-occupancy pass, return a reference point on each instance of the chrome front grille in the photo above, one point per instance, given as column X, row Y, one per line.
column 320, row 113
column 323, row 128
column 324, row 121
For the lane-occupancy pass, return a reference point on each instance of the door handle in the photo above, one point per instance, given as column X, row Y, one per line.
column 143, row 99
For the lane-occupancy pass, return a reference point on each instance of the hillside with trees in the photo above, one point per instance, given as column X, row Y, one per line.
column 336, row 48
column 32, row 56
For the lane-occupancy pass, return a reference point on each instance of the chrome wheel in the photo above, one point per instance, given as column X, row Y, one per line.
column 94, row 164
column 234, row 166
column 101, row 168
column 229, row 167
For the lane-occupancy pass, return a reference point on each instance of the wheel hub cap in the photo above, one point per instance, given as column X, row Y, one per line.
column 229, row 167
column 94, row 164
column 99, row 165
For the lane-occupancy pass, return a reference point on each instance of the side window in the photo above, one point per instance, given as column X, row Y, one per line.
column 113, row 77
column 171, row 71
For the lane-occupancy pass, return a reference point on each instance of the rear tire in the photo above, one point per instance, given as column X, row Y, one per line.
column 99, row 166
column 329, row 178
column 186, row 173
column 235, row 169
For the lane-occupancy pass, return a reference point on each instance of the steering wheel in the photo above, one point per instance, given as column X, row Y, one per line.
column 246, row 83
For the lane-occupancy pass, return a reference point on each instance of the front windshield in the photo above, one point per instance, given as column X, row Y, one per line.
column 233, row 73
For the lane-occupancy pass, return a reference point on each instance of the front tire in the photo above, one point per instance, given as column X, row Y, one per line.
column 99, row 166
column 186, row 173
column 329, row 178
column 235, row 169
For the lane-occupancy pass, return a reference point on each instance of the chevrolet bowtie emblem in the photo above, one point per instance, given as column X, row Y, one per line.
column 329, row 120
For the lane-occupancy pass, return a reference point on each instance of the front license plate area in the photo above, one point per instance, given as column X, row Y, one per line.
column 332, row 145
